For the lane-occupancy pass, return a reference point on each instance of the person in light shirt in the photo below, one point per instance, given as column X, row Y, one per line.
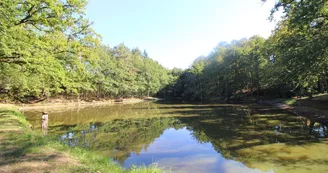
column 44, row 123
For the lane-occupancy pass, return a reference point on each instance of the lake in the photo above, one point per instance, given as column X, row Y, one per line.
column 194, row 137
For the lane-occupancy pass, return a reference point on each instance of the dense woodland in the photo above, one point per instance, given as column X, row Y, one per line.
column 293, row 61
column 48, row 48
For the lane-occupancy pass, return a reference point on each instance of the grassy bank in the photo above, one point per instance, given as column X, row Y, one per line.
column 315, row 108
column 23, row 150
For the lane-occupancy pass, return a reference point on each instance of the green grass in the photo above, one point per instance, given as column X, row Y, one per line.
column 317, row 101
column 289, row 101
column 20, row 144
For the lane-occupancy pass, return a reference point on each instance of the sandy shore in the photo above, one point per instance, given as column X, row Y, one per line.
column 63, row 104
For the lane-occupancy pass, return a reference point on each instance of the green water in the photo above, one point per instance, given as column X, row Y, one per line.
column 194, row 137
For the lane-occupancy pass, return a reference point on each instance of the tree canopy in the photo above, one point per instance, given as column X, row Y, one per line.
column 292, row 61
column 48, row 48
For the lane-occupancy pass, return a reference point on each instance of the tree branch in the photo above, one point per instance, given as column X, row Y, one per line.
column 12, row 60
column 65, row 51
column 30, row 14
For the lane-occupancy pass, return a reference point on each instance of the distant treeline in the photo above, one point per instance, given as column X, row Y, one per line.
column 293, row 61
column 47, row 48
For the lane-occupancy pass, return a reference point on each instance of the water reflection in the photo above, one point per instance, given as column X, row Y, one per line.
column 178, row 151
column 320, row 129
column 198, row 138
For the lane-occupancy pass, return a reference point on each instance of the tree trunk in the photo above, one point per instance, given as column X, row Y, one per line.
column 257, row 74
column 98, row 94
column 310, row 95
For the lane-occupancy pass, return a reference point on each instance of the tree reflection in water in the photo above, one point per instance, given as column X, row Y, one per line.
column 260, row 137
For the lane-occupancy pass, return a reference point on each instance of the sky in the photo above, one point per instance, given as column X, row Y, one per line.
column 176, row 32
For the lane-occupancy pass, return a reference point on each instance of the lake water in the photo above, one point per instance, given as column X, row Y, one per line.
column 194, row 137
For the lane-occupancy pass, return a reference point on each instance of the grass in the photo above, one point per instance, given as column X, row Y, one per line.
column 290, row 101
column 315, row 108
column 22, row 150
column 287, row 101
column 317, row 101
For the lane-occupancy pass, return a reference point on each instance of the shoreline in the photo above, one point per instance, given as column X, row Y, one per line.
column 311, row 113
column 23, row 150
column 64, row 103
column 15, row 136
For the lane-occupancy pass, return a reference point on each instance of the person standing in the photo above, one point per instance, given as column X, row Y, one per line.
column 44, row 123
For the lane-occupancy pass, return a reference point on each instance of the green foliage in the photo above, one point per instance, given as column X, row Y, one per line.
column 300, row 45
column 228, row 70
column 292, row 61
column 48, row 48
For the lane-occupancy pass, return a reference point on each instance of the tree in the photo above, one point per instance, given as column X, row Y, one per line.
column 48, row 48
column 301, row 43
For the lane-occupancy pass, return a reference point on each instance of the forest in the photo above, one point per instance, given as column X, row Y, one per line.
column 48, row 48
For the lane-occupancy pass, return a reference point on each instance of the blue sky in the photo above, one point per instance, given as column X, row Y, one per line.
column 176, row 32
